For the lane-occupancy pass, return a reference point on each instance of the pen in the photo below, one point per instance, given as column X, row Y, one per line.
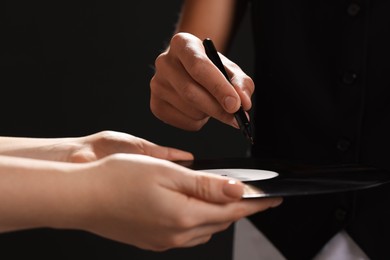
column 240, row 115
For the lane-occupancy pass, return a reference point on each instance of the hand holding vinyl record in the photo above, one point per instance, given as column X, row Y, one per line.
column 160, row 205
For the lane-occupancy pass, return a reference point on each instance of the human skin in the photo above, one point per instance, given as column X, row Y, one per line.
column 87, row 148
column 110, row 185
column 187, row 89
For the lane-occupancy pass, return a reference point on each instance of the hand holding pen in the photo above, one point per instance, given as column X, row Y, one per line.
column 187, row 88
column 240, row 115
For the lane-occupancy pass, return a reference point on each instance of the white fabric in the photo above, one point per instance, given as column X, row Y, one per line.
column 341, row 246
column 251, row 244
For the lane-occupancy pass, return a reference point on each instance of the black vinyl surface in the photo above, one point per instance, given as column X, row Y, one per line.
column 297, row 179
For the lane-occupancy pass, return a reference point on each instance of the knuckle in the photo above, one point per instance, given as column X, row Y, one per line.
column 177, row 40
column 155, row 106
column 106, row 136
column 216, row 88
column 155, row 86
column 159, row 114
column 199, row 117
column 248, row 84
column 181, row 39
column 139, row 145
column 244, row 82
column 183, row 221
column 158, row 108
column 197, row 65
column 160, row 61
column 203, row 186
column 188, row 93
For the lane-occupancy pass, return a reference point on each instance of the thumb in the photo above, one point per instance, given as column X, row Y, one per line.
column 212, row 188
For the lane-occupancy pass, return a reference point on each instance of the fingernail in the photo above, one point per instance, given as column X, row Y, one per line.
column 233, row 189
column 230, row 103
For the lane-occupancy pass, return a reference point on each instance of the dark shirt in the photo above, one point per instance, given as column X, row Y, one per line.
column 322, row 96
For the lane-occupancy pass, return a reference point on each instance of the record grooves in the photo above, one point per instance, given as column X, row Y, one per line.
column 295, row 179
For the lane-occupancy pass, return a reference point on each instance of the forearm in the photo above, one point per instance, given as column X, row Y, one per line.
column 54, row 149
column 36, row 193
column 210, row 18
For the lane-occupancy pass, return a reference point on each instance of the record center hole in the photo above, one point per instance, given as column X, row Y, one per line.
column 243, row 174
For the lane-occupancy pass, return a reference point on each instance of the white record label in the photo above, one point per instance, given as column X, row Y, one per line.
column 244, row 174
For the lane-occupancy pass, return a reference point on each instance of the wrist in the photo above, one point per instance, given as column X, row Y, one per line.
column 75, row 206
column 51, row 149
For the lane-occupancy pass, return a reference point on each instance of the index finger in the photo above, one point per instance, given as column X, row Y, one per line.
column 165, row 152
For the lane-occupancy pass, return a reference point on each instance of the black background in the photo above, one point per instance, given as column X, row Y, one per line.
column 53, row 85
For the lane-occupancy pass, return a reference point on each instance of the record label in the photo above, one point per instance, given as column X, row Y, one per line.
column 244, row 174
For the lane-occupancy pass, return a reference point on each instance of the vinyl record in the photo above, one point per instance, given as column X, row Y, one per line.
column 281, row 179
